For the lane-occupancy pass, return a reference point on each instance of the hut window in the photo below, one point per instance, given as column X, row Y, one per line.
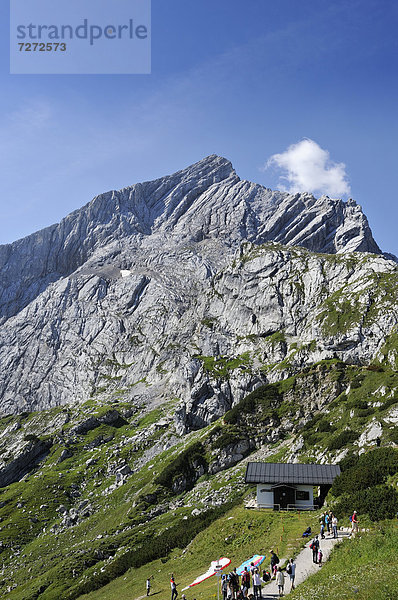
column 302, row 495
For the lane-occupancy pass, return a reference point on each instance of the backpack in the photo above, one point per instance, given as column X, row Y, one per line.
column 288, row 569
column 276, row 559
column 350, row 519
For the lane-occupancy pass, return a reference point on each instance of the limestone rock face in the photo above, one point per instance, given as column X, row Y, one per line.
column 194, row 286
column 203, row 202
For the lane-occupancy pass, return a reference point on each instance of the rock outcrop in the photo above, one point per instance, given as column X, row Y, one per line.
column 166, row 289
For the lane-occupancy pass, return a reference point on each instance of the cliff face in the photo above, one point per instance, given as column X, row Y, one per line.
column 29, row 265
column 188, row 287
column 204, row 201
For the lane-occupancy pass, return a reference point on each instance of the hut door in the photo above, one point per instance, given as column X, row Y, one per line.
column 284, row 495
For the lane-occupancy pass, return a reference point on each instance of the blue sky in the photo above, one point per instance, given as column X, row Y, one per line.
column 245, row 80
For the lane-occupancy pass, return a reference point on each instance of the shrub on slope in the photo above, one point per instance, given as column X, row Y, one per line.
column 362, row 485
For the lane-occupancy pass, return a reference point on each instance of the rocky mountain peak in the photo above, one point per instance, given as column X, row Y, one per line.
column 133, row 286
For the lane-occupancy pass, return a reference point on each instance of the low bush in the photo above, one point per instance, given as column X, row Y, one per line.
column 367, row 470
column 379, row 502
column 264, row 399
column 323, row 425
column 393, row 435
column 357, row 382
column 385, row 459
column 364, row 412
column 185, row 464
column 361, row 484
column 31, row 437
column 229, row 435
column 342, row 439
column 356, row 403
column 357, row 479
column 350, row 460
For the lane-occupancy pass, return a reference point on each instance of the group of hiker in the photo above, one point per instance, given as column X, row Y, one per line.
column 234, row 590
column 329, row 522
column 237, row 587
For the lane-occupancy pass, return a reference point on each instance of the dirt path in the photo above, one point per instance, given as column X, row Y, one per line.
column 304, row 566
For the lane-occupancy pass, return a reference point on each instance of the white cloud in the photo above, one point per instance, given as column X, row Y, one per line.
column 307, row 167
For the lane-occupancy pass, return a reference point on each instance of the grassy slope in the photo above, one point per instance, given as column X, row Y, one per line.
column 364, row 569
column 115, row 524
column 50, row 486
column 237, row 535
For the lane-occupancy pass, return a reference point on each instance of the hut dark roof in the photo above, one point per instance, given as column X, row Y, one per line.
column 257, row 472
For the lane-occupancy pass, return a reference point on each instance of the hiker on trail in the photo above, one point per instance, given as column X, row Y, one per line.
column 291, row 571
column 245, row 582
column 234, row 582
column 230, row 591
column 274, row 563
column 256, row 584
column 320, row 556
column 354, row 523
column 334, row 525
column 252, row 569
column 173, row 585
column 280, row 580
column 322, row 531
column 315, row 547
column 327, row 522
column 224, row 587
column 148, row 586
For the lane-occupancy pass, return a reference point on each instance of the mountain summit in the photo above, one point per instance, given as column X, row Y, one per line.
column 204, row 201
column 140, row 293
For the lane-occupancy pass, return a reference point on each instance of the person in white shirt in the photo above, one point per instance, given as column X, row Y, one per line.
column 174, row 592
column 256, row 584
column 334, row 526
column 291, row 571
column 280, row 581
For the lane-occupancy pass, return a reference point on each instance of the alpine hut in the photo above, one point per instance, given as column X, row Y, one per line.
column 290, row 486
